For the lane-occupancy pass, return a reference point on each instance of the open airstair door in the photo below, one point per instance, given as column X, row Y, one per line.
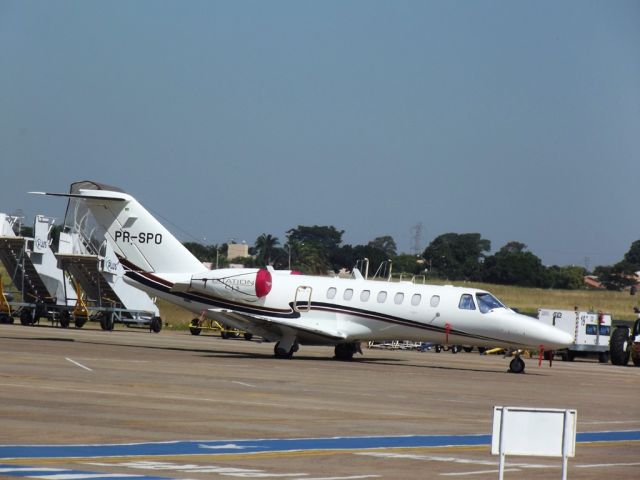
column 302, row 301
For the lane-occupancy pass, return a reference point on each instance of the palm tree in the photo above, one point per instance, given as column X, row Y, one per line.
column 264, row 246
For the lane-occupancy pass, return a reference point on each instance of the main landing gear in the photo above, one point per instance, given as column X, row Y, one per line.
column 346, row 351
column 280, row 350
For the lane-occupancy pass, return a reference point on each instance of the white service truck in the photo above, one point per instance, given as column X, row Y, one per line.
column 591, row 332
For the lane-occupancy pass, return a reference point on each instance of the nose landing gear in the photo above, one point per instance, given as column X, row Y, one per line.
column 516, row 365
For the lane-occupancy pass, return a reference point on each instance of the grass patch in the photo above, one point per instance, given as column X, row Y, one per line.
column 173, row 316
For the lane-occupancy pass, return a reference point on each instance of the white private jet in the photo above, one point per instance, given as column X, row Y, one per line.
column 292, row 309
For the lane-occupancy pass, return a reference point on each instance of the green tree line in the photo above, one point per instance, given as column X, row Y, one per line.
column 319, row 249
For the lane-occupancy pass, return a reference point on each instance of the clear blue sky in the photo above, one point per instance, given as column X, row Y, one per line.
column 518, row 120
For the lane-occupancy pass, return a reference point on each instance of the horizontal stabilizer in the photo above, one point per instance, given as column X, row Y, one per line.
column 116, row 197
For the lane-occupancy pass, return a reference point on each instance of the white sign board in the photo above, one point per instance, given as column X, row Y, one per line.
column 41, row 234
column 110, row 261
column 534, row 431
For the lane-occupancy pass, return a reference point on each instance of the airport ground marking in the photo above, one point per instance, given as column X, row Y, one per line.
column 279, row 445
column 47, row 473
column 607, row 465
column 478, row 472
column 352, row 477
column 243, row 384
column 438, row 458
column 78, row 364
column 225, row 471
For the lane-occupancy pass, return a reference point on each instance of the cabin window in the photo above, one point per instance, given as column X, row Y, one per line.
column 364, row 295
column 331, row 293
column 399, row 298
column 466, row 302
column 348, row 294
column 435, row 301
column 415, row 300
column 382, row 297
column 487, row 302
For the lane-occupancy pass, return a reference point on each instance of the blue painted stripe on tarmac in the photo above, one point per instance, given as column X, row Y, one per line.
column 613, row 436
column 219, row 447
column 53, row 473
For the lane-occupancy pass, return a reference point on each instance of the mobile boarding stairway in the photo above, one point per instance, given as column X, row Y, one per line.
column 99, row 280
column 41, row 289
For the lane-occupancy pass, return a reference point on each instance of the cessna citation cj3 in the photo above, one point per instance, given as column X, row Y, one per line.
column 292, row 309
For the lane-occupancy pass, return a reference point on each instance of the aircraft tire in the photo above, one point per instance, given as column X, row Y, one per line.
column 282, row 353
column 344, row 351
column 618, row 344
column 516, row 365
column 194, row 327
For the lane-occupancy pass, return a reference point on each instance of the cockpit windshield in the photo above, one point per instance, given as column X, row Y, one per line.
column 487, row 302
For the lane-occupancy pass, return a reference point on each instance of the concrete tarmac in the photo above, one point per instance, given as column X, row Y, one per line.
column 87, row 386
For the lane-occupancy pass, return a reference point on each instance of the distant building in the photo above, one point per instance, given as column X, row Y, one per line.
column 237, row 250
column 591, row 283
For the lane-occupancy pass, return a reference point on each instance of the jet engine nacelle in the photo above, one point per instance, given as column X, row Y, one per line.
column 244, row 284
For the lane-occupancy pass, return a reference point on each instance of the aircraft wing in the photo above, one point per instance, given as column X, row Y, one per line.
column 273, row 329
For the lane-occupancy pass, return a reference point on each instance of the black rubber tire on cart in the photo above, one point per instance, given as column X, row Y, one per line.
column 194, row 328
column 80, row 321
column 106, row 321
column 156, row 325
column 618, row 344
column 248, row 336
column 603, row 357
column 65, row 319
column 26, row 318
column 455, row 348
column 468, row 349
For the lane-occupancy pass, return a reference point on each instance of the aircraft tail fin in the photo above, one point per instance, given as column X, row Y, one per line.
column 137, row 237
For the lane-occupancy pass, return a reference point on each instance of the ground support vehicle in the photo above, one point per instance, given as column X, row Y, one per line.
column 39, row 285
column 625, row 344
column 43, row 282
column 201, row 323
column 63, row 315
column 104, row 298
column 591, row 331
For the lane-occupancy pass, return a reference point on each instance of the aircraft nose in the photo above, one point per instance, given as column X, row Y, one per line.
column 554, row 338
